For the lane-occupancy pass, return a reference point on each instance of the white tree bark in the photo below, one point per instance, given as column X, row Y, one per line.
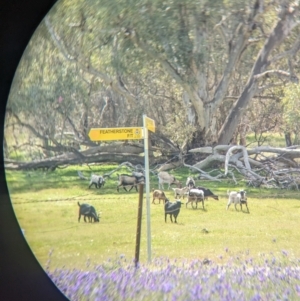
column 229, row 154
column 268, row 172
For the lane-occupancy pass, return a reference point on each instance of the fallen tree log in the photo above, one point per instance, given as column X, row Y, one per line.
column 71, row 159
column 257, row 172
column 114, row 152
column 262, row 166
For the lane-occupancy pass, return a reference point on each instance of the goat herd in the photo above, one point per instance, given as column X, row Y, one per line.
column 195, row 194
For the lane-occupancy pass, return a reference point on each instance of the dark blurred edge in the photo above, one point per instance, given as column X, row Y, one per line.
column 21, row 276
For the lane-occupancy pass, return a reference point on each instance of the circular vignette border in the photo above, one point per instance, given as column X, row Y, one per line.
column 21, row 275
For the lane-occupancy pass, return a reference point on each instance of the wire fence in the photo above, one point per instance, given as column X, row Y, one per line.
column 77, row 198
column 21, row 200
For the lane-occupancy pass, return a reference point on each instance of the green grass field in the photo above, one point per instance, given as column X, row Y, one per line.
column 46, row 207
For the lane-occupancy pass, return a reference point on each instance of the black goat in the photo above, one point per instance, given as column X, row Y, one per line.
column 208, row 193
column 129, row 180
column 98, row 181
column 88, row 211
column 173, row 209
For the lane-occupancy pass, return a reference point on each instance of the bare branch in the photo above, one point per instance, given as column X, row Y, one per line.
column 256, row 40
column 58, row 41
column 203, row 173
column 103, row 109
column 258, row 96
column 221, row 30
column 28, row 126
column 276, row 72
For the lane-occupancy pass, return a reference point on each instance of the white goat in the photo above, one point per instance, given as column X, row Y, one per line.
column 235, row 198
column 96, row 180
column 164, row 177
column 190, row 183
column 195, row 195
column 180, row 192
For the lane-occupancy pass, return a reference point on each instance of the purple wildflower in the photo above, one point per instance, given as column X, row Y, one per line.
column 165, row 279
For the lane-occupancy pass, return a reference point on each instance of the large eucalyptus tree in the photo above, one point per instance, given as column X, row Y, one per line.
column 199, row 44
column 193, row 66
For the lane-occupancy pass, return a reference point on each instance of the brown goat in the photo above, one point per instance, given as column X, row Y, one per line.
column 160, row 195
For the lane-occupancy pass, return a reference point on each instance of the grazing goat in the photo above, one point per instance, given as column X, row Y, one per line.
column 98, row 181
column 92, row 216
column 88, row 211
column 129, row 180
column 190, row 183
column 164, row 177
column 237, row 198
column 208, row 193
column 160, row 195
column 195, row 196
column 173, row 209
column 180, row 192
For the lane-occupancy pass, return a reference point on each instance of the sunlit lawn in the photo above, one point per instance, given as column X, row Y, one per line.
column 49, row 217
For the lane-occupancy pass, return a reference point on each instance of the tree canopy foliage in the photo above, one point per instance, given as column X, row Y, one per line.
column 207, row 72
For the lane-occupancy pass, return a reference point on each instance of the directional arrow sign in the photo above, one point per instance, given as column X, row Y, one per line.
column 150, row 124
column 102, row 134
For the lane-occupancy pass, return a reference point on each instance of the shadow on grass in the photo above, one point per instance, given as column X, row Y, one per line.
column 197, row 208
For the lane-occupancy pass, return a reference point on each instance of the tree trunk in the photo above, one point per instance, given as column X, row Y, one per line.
column 288, row 140
column 281, row 30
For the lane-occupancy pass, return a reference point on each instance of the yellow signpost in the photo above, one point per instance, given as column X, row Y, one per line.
column 131, row 133
column 150, row 124
column 106, row 134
